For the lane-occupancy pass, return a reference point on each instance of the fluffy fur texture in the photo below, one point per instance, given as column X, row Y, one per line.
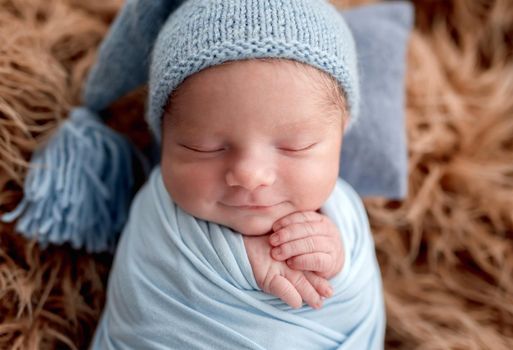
column 446, row 252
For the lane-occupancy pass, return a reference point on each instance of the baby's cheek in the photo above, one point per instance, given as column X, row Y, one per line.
column 189, row 186
column 313, row 184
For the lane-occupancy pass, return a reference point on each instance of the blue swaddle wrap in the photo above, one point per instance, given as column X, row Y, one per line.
column 179, row 282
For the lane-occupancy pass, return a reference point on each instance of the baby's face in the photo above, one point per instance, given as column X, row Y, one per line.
column 249, row 142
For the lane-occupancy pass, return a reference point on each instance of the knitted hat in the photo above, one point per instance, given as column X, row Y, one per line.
column 82, row 192
column 204, row 33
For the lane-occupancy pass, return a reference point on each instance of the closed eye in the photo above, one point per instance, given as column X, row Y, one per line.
column 194, row 149
column 297, row 149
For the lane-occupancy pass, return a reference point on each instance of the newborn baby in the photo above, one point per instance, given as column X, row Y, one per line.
column 245, row 217
column 254, row 145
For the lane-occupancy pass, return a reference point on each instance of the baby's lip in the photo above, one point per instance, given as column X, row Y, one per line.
column 254, row 206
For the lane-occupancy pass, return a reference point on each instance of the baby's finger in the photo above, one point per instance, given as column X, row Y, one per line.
column 307, row 245
column 283, row 289
column 321, row 285
column 296, row 218
column 297, row 231
column 305, row 289
column 317, row 262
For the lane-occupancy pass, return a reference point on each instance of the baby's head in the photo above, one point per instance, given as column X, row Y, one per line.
column 248, row 142
column 251, row 108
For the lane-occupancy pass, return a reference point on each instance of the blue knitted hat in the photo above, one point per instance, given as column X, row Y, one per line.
column 204, row 33
column 80, row 183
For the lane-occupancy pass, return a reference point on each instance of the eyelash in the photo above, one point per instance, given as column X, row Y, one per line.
column 298, row 150
column 202, row 151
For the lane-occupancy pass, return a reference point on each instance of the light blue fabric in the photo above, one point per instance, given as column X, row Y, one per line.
column 182, row 283
column 123, row 58
column 374, row 158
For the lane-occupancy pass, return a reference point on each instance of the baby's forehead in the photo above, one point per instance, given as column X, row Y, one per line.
column 249, row 70
column 297, row 94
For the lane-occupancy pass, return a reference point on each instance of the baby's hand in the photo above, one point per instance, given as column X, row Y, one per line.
column 275, row 277
column 308, row 241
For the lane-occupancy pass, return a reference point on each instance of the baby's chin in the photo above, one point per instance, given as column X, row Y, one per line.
column 255, row 226
column 252, row 225
column 248, row 225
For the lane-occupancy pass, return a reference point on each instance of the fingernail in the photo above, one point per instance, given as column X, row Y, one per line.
column 277, row 251
column 318, row 304
column 328, row 292
column 275, row 238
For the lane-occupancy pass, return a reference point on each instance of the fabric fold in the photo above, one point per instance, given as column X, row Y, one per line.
column 181, row 282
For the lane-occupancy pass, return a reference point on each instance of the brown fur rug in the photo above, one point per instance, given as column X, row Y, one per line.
column 446, row 252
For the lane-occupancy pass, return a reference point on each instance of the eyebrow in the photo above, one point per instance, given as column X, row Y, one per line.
column 330, row 118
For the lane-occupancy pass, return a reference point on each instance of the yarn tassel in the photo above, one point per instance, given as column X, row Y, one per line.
column 79, row 186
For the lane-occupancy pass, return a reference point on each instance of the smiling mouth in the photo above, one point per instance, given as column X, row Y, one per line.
column 252, row 207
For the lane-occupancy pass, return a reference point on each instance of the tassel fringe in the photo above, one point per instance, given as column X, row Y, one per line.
column 79, row 186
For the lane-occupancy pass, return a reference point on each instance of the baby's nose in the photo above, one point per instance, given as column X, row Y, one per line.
column 250, row 174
